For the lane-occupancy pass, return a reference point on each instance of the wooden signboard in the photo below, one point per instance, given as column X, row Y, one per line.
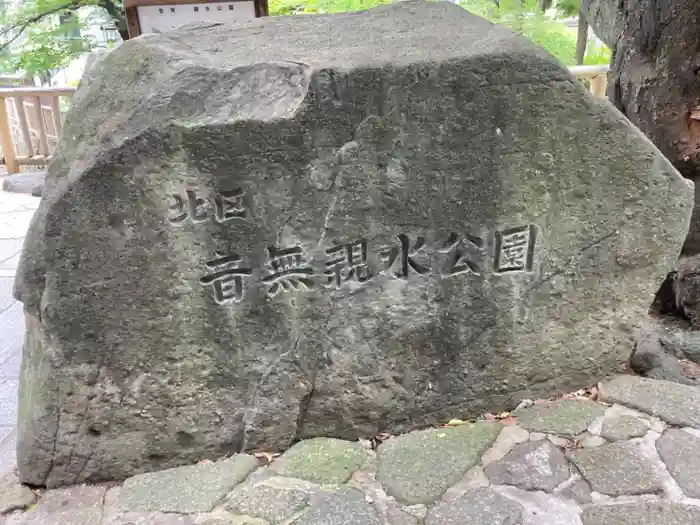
column 159, row 16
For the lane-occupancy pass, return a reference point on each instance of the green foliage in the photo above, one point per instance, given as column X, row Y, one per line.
column 33, row 41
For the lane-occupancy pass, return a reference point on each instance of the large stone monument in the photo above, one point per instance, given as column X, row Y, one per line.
column 328, row 226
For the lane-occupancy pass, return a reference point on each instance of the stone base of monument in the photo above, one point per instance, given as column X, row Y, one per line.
column 566, row 462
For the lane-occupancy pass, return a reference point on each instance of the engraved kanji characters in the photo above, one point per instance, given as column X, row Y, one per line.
column 287, row 270
column 347, row 261
column 390, row 254
column 514, row 250
column 226, row 278
column 227, row 204
column 191, row 207
column 465, row 254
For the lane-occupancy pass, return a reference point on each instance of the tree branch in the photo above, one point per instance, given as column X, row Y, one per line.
column 20, row 27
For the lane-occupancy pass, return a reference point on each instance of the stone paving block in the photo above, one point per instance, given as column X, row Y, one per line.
column 190, row 489
column 10, row 368
column 579, row 491
column 481, row 506
column 569, row 417
column 77, row 505
column 8, row 401
column 14, row 495
column 407, row 464
column 12, row 333
column 8, row 453
column 535, row 465
column 674, row 403
column 274, row 499
column 623, row 427
column 150, row 518
column 346, row 507
column 15, row 224
column 680, row 451
column 226, row 518
column 6, row 298
column 321, row 460
column 643, row 513
column 617, row 469
column 507, row 439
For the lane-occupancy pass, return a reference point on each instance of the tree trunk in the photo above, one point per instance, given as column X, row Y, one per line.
column 655, row 76
column 581, row 39
column 118, row 17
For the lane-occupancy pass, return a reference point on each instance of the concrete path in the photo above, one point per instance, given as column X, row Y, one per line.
column 16, row 211
column 629, row 457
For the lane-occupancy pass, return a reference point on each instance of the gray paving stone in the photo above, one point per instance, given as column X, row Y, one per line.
column 407, row 464
column 190, row 489
column 274, row 499
column 647, row 513
column 617, row 469
column 680, row 451
column 481, row 506
column 346, row 507
column 77, row 505
column 226, row 518
column 8, row 453
column 535, row 465
column 579, row 491
column 6, row 299
column 569, row 417
column 623, row 427
column 14, row 495
column 9, row 369
column 321, row 460
column 8, row 402
column 674, row 403
column 151, row 518
column 12, row 333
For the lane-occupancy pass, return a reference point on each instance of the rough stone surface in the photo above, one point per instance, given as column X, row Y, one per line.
column 650, row 513
column 674, row 403
column 654, row 359
column 508, row 220
column 407, row 463
column 321, row 460
column 156, row 518
column 680, row 451
column 623, row 427
column 507, row 439
column 79, row 505
column 13, row 495
column 536, row 465
column 195, row 488
column 481, row 506
column 686, row 287
column 347, row 507
column 274, row 499
column 617, row 469
column 579, row 491
column 569, row 417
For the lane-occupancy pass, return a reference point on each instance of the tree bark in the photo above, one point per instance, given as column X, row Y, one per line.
column 581, row 39
column 118, row 15
column 655, row 76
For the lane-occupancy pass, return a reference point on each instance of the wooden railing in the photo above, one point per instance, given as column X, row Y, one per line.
column 30, row 124
column 31, row 118
column 595, row 76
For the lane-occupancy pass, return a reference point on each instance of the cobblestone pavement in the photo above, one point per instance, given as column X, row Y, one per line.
column 631, row 457
column 16, row 211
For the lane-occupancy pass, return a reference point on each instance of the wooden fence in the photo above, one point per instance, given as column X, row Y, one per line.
column 31, row 118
